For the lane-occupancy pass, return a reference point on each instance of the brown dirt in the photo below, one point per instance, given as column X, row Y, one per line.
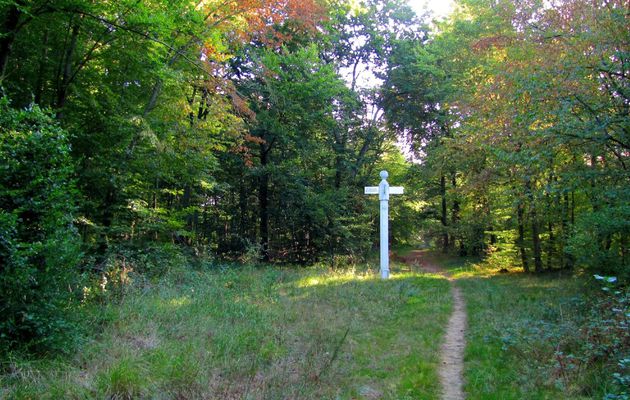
column 451, row 369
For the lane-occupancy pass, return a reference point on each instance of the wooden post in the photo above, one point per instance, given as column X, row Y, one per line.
column 384, row 190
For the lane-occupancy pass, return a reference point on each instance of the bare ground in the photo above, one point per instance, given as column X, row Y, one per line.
column 451, row 370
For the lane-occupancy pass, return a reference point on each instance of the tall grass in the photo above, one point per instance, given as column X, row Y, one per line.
column 535, row 336
column 245, row 333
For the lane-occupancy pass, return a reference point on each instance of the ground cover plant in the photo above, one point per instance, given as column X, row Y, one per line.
column 248, row 333
column 552, row 336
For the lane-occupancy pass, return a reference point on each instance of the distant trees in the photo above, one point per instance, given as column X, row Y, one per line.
column 520, row 113
column 163, row 100
column 312, row 143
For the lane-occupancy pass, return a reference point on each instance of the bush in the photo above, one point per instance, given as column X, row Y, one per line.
column 600, row 241
column 39, row 246
column 580, row 344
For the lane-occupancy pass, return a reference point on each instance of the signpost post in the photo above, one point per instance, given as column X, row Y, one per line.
column 384, row 190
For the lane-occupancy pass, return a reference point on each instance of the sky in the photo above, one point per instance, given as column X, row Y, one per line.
column 440, row 8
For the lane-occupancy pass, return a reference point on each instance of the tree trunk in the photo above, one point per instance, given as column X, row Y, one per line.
column 340, row 150
column 190, row 218
column 455, row 218
column 362, row 153
column 538, row 265
column 66, row 71
column 537, row 249
column 242, row 206
column 521, row 235
column 43, row 61
column 155, row 92
column 263, row 203
column 9, row 32
column 203, row 110
column 551, row 245
column 445, row 242
column 338, row 172
column 567, row 260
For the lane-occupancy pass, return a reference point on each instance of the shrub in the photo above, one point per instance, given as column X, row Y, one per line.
column 39, row 246
column 600, row 239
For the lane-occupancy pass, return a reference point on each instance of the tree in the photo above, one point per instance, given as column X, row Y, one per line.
column 537, row 140
column 39, row 245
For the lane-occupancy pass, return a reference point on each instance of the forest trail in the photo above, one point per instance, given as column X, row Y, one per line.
column 451, row 369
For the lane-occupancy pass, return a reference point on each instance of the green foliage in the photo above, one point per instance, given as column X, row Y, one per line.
column 608, row 340
column 39, row 246
column 207, row 126
column 182, row 133
column 307, row 163
column 523, row 148
column 599, row 240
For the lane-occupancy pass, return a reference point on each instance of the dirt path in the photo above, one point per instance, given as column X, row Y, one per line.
column 451, row 370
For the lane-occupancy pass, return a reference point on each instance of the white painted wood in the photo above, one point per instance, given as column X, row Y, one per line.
column 384, row 239
column 384, row 190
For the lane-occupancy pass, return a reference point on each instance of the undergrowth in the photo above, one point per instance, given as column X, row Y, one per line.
column 221, row 331
column 552, row 336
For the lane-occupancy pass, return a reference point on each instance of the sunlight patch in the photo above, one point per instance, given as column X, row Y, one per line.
column 333, row 279
column 177, row 302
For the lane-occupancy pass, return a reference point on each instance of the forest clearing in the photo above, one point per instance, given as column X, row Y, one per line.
column 269, row 332
column 188, row 209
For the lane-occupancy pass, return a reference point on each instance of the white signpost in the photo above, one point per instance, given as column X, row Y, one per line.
column 384, row 190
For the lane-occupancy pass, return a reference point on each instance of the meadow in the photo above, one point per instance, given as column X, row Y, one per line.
column 283, row 332
column 253, row 333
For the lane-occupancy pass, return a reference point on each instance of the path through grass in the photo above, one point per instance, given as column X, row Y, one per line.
column 526, row 334
column 268, row 333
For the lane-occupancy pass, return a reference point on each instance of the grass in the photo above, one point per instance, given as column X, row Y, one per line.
column 521, row 327
column 316, row 333
column 265, row 333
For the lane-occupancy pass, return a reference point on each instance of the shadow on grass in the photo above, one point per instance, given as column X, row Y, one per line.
column 257, row 334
